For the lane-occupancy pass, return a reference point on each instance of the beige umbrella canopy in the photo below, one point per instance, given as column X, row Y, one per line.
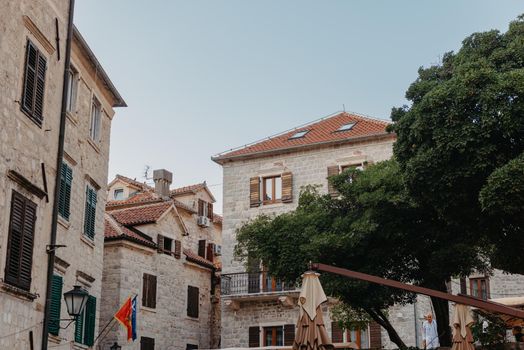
column 461, row 322
column 311, row 333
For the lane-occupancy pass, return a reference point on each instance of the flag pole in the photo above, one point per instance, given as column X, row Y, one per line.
column 102, row 331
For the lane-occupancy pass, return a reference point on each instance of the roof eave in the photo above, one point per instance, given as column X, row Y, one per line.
column 223, row 159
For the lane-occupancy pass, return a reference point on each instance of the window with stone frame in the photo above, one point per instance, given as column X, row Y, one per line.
column 118, row 194
column 96, row 119
column 479, row 287
column 193, row 297
column 72, row 86
column 149, row 286
column 33, row 92
column 147, row 343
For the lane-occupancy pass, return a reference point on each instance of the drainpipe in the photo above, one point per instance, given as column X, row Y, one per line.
column 60, row 155
column 415, row 316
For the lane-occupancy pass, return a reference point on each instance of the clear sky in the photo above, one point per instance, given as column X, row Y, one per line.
column 201, row 77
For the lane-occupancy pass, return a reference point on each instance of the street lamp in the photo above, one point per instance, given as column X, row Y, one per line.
column 115, row 346
column 76, row 300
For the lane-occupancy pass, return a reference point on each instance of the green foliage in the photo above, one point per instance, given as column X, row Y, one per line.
column 465, row 122
column 492, row 335
column 349, row 317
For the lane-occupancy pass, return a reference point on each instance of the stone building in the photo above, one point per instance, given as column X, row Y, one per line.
column 265, row 178
column 163, row 246
column 32, row 51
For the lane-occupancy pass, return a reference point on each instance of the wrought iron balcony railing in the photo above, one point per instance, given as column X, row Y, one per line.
column 253, row 282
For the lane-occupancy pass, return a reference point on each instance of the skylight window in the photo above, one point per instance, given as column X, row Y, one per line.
column 346, row 127
column 299, row 134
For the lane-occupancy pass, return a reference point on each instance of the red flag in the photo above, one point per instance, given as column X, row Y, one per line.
column 124, row 316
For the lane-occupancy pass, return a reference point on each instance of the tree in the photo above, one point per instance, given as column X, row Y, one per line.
column 464, row 123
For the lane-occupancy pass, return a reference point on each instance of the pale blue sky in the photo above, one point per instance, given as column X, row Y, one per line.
column 201, row 77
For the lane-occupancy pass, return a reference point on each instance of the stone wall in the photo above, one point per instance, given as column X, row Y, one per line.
column 24, row 146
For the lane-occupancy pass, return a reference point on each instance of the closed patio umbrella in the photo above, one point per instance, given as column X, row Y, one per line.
column 461, row 322
column 311, row 333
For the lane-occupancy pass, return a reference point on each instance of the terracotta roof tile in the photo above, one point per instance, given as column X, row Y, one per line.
column 133, row 182
column 217, row 218
column 141, row 215
column 138, row 198
column 319, row 132
column 187, row 189
column 113, row 230
column 190, row 256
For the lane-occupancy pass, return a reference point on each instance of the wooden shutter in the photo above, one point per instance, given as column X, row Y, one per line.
column 202, row 248
column 160, row 243
column 332, row 171
column 287, row 187
column 210, row 251
column 463, row 286
column 34, row 83
column 20, row 242
column 40, row 90
column 55, row 304
column 200, row 207
column 64, row 197
column 90, row 212
column 145, row 287
column 147, row 343
column 289, row 334
column 254, row 192
column 254, row 337
column 152, row 292
column 375, row 338
column 192, row 301
column 79, row 328
column 337, row 335
column 90, row 320
column 210, row 211
column 178, row 249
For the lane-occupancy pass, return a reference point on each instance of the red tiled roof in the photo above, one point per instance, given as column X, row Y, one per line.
column 190, row 256
column 138, row 198
column 187, row 189
column 141, row 215
column 217, row 218
column 319, row 132
column 113, row 230
column 133, row 182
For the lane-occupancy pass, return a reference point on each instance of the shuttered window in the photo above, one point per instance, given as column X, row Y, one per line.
column 90, row 212
column 337, row 335
column 210, row 211
column 34, row 84
column 254, row 337
column 287, row 187
column 64, row 197
column 332, row 171
column 202, row 248
column 20, row 242
column 85, row 324
column 271, row 189
column 254, row 192
column 147, row 343
column 375, row 336
column 192, row 301
column 149, row 291
column 289, row 334
column 205, row 209
column 178, row 249
column 55, row 304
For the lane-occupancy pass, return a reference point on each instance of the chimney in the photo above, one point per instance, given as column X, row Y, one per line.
column 163, row 179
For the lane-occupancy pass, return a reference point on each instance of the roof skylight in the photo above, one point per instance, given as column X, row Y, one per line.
column 346, row 127
column 298, row 134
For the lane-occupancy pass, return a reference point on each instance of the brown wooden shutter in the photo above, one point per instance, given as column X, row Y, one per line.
column 463, row 286
column 375, row 338
column 192, row 301
column 289, row 334
column 210, row 211
column 332, row 171
column 254, row 337
column 20, row 242
column 337, row 335
column 145, row 286
column 160, row 243
column 254, row 192
column 202, row 248
column 152, row 292
column 147, row 343
column 200, row 207
column 287, row 187
column 178, row 249
column 210, row 251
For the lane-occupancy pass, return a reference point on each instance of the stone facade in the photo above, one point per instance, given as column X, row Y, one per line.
column 308, row 167
column 126, row 261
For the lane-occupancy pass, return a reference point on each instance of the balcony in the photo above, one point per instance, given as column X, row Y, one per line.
column 257, row 286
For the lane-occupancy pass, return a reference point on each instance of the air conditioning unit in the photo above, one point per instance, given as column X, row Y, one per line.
column 217, row 249
column 203, row 221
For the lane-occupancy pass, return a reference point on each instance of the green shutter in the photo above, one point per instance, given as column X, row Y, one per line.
column 54, row 306
column 79, row 328
column 90, row 212
column 89, row 329
column 64, row 198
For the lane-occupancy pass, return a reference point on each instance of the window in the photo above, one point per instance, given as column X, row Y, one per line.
column 118, row 194
column 358, row 335
column 55, row 304
column 191, row 347
column 94, row 131
column 202, row 248
column 272, row 189
column 34, row 84
column 85, row 324
column 147, row 343
column 20, row 242
column 298, row 135
column 273, row 336
column 72, row 83
column 165, row 245
column 205, row 209
column 64, row 196
column 90, row 212
column 192, row 301
column 149, row 291
column 479, row 287
column 346, row 127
